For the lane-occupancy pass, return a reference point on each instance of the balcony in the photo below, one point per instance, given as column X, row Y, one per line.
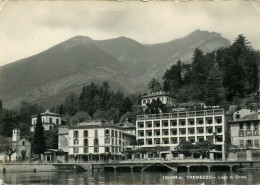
column 181, row 114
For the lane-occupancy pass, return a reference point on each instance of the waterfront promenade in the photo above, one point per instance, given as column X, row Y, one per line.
column 135, row 165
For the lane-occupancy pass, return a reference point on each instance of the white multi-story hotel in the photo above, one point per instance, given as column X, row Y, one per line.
column 49, row 120
column 97, row 141
column 163, row 97
column 170, row 129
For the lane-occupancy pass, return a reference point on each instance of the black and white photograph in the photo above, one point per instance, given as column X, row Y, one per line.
column 126, row 92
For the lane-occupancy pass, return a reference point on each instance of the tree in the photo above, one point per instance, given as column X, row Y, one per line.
column 154, row 85
column 38, row 139
column 80, row 116
column 99, row 114
column 51, row 138
column 7, row 147
column 155, row 107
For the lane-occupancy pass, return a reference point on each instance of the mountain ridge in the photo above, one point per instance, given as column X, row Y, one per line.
column 125, row 63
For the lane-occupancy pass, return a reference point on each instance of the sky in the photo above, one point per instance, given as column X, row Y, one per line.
column 30, row 27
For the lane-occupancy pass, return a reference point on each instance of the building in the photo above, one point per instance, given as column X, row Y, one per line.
column 128, row 128
column 242, row 113
column 244, row 133
column 97, row 141
column 49, row 120
column 21, row 147
column 168, row 130
column 163, row 97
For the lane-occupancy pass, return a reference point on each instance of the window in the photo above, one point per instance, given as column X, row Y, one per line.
column 57, row 121
column 200, row 139
column 157, row 133
column 76, row 141
column 116, row 133
column 149, row 133
column 76, row 133
column 256, row 143
column 210, row 131
column 148, row 124
column 85, row 142
column 116, row 141
column 240, row 125
column 241, row 133
column 173, row 123
column 141, row 134
column 95, row 149
column 112, row 133
column 149, row 142
column 42, row 120
column 237, row 116
column 200, row 130
column 191, row 131
column 209, row 120
column 85, row 133
column 157, row 141
column 165, row 123
column 140, row 125
column 219, row 130
column 85, row 150
column 219, row 120
column 200, row 121
column 107, row 132
column 192, row 139
column 157, row 124
column 174, row 132
column 182, row 122
column 248, row 133
column 165, row 133
column 174, row 140
column 241, row 144
column 255, row 126
column 191, row 122
column 247, row 125
column 144, row 102
column 165, row 141
column 119, row 134
column 183, row 131
column 23, row 143
column 50, row 120
column 95, row 142
column 112, row 141
column 75, row 150
column 96, row 133
column 107, row 149
column 107, row 140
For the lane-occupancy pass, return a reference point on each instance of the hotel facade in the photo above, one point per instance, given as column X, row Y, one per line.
column 97, row 141
column 168, row 130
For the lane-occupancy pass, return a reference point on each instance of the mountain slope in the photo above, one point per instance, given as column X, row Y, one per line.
column 128, row 65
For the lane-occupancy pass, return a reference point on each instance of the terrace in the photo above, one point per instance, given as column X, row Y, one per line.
column 186, row 114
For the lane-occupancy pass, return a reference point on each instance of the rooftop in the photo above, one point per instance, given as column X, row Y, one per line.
column 47, row 113
column 183, row 114
column 154, row 94
column 251, row 117
column 94, row 124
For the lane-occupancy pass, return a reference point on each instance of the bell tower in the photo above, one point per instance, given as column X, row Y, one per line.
column 16, row 134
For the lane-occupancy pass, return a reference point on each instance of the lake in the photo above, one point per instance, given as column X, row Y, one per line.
column 82, row 178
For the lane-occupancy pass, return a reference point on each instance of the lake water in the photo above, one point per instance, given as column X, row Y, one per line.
column 120, row 178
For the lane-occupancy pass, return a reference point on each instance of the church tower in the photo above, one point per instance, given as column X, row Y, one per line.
column 16, row 134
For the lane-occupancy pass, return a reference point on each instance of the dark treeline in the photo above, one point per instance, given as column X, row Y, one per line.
column 216, row 76
column 99, row 102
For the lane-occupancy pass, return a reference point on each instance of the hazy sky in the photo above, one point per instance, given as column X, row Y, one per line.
column 27, row 27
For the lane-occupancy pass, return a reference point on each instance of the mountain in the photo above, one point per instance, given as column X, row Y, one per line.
column 48, row 77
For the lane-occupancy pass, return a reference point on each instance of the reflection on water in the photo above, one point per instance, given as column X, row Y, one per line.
column 82, row 178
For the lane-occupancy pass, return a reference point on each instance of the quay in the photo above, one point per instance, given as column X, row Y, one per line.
column 135, row 166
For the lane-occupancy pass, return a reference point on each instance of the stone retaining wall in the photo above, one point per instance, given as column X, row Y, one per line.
column 23, row 167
